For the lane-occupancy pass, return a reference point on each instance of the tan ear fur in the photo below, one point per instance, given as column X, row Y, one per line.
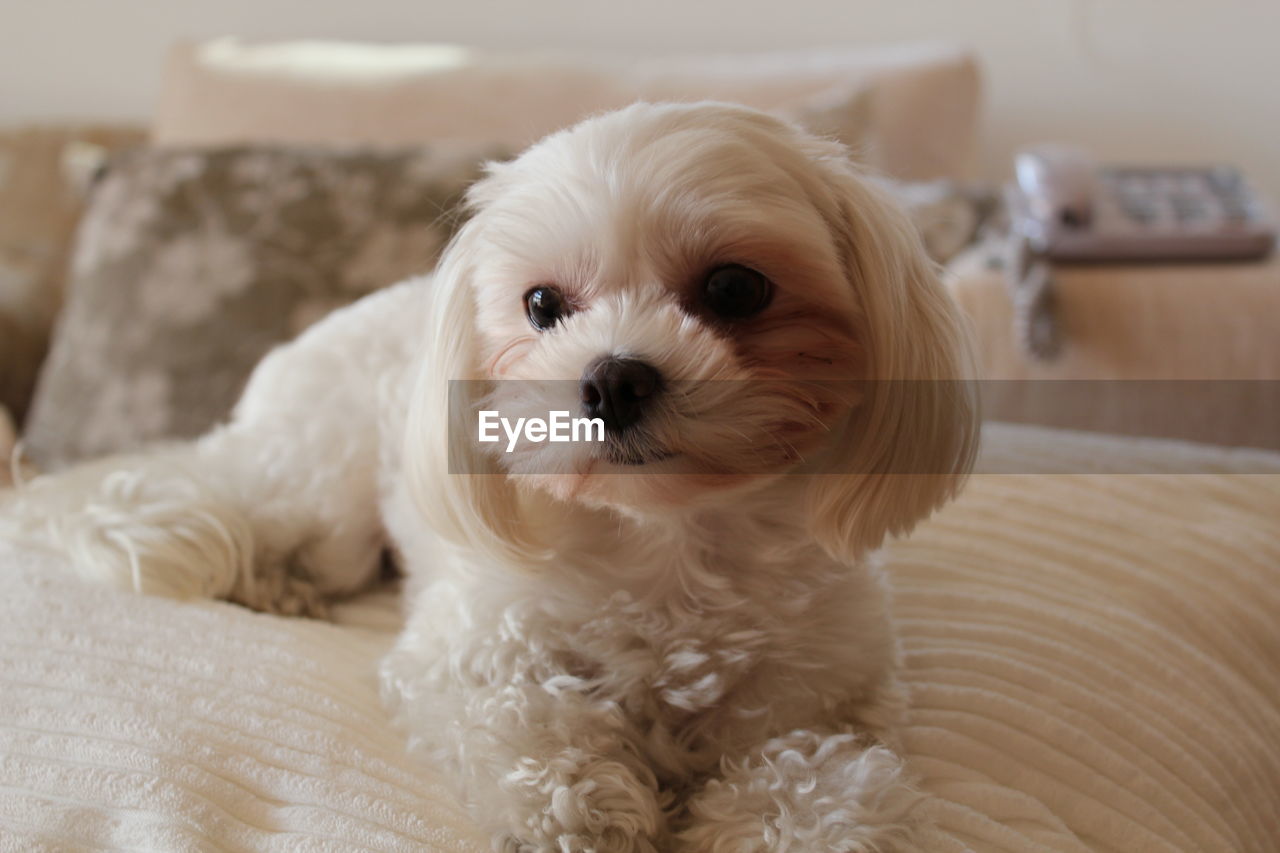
column 909, row 444
column 460, row 491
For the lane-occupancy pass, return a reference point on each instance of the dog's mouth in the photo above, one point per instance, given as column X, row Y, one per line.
column 635, row 458
column 623, row 452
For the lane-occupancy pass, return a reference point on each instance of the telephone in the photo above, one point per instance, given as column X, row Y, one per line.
column 1069, row 209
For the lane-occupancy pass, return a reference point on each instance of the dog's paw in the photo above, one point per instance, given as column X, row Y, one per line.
column 602, row 808
column 150, row 523
column 805, row 792
column 282, row 591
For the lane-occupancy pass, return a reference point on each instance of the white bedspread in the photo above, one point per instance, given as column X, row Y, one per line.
column 1094, row 660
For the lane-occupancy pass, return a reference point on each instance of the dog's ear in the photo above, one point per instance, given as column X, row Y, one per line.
column 908, row 444
column 460, row 491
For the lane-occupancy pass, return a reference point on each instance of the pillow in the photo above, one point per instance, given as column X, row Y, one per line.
column 1091, row 661
column 8, row 440
column 191, row 264
column 922, row 108
column 39, row 207
column 844, row 113
column 949, row 215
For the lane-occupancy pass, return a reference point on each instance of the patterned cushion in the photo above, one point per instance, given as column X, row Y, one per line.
column 39, row 207
column 191, row 264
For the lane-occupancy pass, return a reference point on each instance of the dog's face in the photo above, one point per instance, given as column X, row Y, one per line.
column 704, row 279
column 670, row 272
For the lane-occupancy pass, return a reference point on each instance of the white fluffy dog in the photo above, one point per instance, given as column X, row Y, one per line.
column 670, row 640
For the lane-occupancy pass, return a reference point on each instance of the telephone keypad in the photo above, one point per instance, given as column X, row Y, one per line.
column 1153, row 213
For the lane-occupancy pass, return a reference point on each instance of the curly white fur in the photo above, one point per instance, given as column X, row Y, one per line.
column 690, row 654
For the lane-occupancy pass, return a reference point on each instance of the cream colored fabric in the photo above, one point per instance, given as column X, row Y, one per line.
column 1092, row 661
column 1171, row 322
column 1095, row 659
column 139, row 724
column 921, row 100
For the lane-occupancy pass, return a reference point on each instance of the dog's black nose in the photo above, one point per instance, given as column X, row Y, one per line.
column 617, row 390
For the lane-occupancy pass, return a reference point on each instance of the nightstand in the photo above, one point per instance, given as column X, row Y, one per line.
column 1217, row 324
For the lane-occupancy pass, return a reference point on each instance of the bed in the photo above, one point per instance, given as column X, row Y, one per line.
column 1091, row 638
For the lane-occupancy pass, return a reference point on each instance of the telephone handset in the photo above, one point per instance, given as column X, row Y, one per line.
column 1070, row 209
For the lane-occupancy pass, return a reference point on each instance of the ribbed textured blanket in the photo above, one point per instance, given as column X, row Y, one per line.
column 1094, row 662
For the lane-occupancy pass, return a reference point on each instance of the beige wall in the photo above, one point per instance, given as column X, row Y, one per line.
column 1133, row 79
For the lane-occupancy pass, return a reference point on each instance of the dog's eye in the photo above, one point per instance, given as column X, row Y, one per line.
column 734, row 291
column 545, row 306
